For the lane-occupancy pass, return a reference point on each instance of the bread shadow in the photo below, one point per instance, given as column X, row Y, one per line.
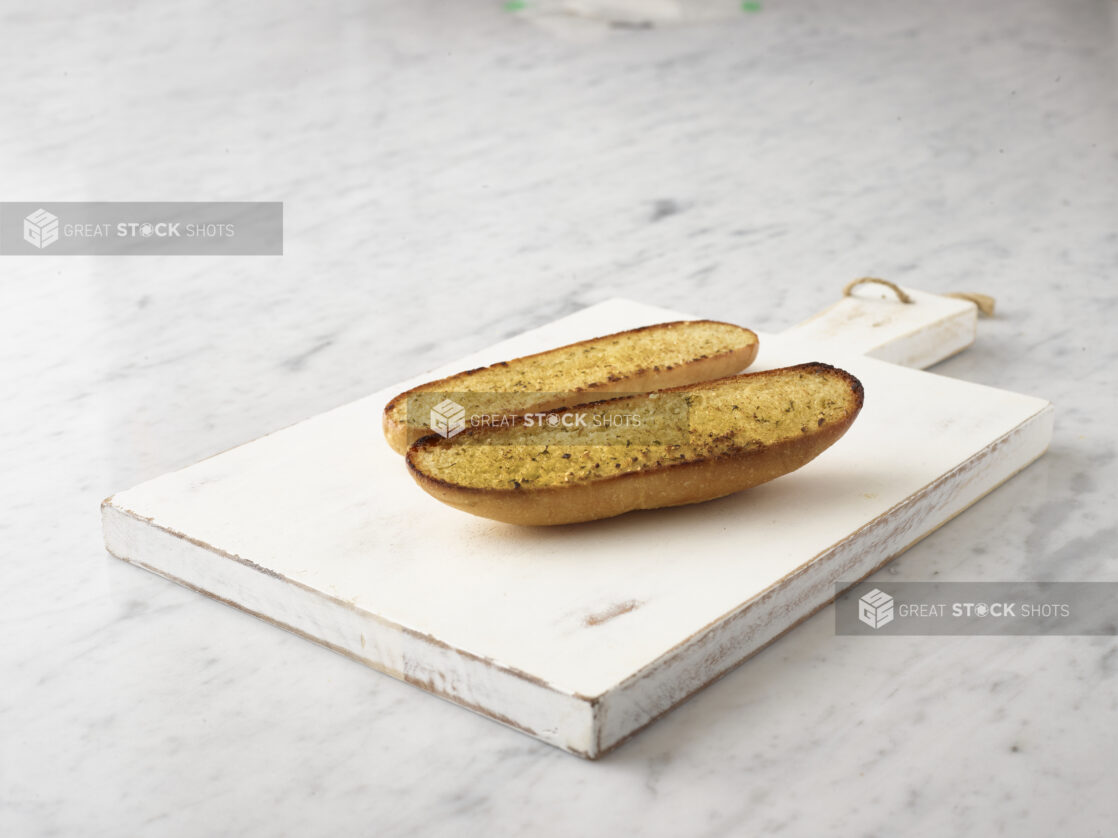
column 672, row 528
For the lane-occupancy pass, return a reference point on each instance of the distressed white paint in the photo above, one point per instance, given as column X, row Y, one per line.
column 318, row 528
column 874, row 322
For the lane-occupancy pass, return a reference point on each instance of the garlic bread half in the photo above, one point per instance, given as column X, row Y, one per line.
column 691, row 444
column 634, row 361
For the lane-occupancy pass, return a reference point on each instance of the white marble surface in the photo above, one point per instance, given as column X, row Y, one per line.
column 451, row 175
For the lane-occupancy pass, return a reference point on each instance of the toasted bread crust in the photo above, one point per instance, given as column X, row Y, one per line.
column 670, row 484
column 653, row 375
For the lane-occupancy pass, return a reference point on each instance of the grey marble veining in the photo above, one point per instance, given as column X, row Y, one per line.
column 453, row 174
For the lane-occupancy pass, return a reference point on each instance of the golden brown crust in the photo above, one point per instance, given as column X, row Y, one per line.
column 672, row 484
column 654, row 376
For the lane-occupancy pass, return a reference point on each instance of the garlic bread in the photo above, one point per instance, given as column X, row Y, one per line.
column 634, row 361
column 696, row 443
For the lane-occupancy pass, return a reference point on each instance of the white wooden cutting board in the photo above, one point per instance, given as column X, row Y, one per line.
column 581, row 635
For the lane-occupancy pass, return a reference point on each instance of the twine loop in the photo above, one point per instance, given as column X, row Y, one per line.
column 984, row 302
column 896, row 289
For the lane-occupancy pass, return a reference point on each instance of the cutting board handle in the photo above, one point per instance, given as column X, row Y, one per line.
column 900, row 325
